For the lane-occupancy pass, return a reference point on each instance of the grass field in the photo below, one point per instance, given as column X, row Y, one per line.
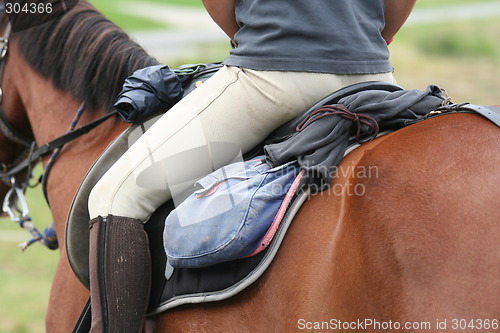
column 463, row 57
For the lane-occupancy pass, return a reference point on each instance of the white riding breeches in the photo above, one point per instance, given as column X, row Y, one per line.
column 214, row 125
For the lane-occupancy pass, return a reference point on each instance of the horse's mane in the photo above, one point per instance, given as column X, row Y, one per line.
column 83, row 53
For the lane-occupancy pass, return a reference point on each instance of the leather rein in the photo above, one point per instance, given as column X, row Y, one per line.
column 18, row 174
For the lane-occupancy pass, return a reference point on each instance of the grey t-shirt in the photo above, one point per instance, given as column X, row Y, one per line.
column 327, row 36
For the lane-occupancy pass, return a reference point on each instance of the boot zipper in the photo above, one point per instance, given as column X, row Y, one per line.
column 101, row 272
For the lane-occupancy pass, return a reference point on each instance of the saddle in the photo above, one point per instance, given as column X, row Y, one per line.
column 188, row 285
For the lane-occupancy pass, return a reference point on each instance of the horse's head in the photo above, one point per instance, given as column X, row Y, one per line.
column 15, row 130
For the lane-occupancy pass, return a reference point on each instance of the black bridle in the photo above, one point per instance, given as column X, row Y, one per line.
column 17, row 174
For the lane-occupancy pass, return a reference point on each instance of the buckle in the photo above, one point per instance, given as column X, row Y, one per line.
column 4, row 45
column 11, row 202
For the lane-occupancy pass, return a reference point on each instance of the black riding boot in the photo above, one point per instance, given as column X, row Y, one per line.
column 120, row 274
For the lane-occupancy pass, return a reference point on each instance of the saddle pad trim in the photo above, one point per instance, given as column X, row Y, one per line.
column 252, row 277
column 268, row 237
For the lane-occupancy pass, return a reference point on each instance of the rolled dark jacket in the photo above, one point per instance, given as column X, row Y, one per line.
column 321, row 141
column 148, row 91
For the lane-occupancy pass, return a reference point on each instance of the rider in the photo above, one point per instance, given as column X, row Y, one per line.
column 288, row 55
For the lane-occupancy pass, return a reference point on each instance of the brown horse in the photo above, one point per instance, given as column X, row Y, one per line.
column 406, row 239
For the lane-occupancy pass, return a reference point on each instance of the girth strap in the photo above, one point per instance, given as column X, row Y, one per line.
column 491, row 113
column 83, row 323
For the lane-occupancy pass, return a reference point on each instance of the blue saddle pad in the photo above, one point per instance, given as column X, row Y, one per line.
column 228, row 215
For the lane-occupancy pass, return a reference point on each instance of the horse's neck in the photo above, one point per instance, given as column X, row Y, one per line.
column 50, row 112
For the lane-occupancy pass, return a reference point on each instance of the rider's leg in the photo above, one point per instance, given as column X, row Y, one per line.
column 236, row 107
column 231, row 112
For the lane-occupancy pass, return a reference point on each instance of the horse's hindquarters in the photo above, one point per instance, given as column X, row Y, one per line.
column 427, row 226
